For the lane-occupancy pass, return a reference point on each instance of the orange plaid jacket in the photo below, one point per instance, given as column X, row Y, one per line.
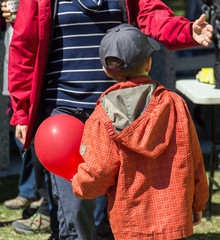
column 141, row 149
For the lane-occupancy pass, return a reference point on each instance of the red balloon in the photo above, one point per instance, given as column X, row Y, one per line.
column 57, row 143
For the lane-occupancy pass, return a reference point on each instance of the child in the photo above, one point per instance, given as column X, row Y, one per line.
column 140, row 147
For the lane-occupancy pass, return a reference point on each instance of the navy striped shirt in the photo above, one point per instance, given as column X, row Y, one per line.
column 75, row 77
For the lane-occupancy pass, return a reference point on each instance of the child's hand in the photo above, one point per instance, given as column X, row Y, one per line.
column 197, row 217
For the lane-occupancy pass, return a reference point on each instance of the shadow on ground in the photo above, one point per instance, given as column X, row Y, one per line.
column 8, row 187
column 209, row 236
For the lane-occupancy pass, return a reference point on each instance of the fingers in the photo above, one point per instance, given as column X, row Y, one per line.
column 10, row 20
column 202, row 19
column 6, row 12
column 19, row 137
column 209, row 34
column 5, row 9
column 208, row 39
column 4, row 4
column 205, row 44
column 209, row 28
column 20, row 133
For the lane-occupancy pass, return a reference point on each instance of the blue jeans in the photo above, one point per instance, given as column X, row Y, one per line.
column 76, row 216
column 26, row 185
column 101, row 203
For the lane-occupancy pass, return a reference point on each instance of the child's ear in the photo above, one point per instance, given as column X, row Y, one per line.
column 148, row 64
column 106, row 72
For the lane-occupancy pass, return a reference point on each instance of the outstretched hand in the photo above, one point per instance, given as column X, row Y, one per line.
column 202, row 31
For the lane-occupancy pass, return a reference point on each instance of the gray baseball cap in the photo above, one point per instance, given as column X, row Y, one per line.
column 127, row 43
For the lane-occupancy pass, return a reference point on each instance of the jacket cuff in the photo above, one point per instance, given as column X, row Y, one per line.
column 199, row 208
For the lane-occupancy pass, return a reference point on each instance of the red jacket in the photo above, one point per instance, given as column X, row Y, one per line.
column 144, row 153
column 31, row 42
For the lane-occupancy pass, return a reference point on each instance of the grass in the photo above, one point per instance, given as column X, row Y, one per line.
column 8, row 190
column 207, row 230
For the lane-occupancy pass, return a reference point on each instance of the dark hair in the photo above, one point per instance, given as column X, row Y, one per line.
column 122, row 74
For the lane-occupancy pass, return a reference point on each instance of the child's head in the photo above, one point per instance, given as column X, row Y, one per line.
column 125, row 52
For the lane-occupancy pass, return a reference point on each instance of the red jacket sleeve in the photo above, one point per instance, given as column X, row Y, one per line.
column 22, row 55
column 100, row 170
column 156, row 19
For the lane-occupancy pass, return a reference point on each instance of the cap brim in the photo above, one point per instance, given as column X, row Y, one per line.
column 155, row 45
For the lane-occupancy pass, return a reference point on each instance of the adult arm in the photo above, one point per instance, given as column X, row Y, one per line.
column 156, row 19
column 22, row 55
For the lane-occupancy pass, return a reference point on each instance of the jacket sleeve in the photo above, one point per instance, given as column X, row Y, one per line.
column 201, row 192
column 99, row 171
column 22, row 55
column 156, row 19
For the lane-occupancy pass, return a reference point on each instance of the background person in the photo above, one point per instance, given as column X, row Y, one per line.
column 193, row 9
column 31, row 193
column 27, row 189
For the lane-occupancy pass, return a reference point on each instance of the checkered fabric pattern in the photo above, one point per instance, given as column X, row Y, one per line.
column 152, row 172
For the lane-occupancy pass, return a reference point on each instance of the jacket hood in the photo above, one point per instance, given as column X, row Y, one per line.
column 141, row 121
column 88, row 5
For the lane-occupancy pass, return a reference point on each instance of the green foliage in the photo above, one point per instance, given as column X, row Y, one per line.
column 178, row 7
column 209, row 230
column 8, row 190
